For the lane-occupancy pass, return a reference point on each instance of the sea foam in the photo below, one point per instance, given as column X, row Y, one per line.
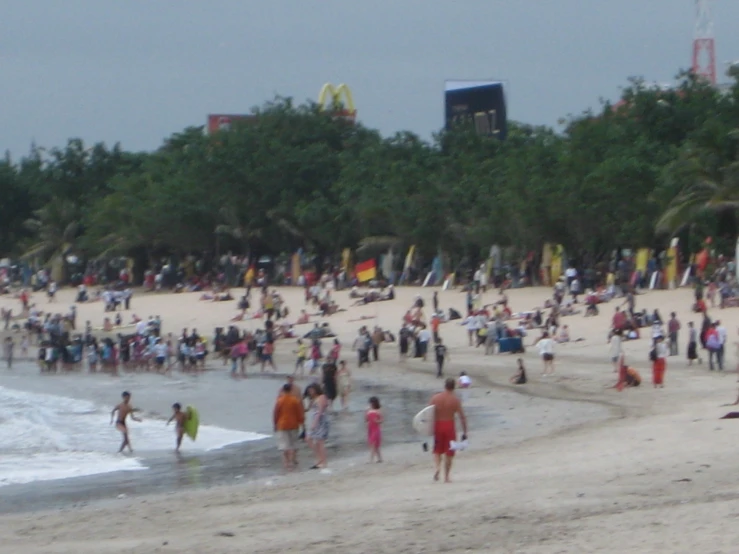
column 44, row 437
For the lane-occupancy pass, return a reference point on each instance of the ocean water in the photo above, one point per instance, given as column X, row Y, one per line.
column 44, row 437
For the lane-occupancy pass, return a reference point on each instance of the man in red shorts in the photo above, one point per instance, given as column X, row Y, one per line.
column 447, row 406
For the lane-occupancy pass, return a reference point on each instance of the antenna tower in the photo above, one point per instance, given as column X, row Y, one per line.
column 704, row 42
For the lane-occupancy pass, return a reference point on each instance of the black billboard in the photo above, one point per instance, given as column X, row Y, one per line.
column 478, row 104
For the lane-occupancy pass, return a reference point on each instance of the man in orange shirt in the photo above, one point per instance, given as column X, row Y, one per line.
column 435, row 321
column 288, row 417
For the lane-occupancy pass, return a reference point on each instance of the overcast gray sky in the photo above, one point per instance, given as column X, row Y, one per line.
column 135, row 71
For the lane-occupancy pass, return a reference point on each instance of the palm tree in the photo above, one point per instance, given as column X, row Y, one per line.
column 56, row 228
column 703, row 195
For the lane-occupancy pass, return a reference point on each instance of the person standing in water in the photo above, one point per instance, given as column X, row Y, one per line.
column 374, row 420
column 9, row 348
column 124, row 409
column 179, row 417
column 317, row 425
column 446, row 408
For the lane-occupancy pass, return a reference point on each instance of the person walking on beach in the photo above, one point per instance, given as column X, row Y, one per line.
column 659, row 362
column 344, row 382
column 447, row 407
column 404, row 342
column 723, row 335
column 302, row 353
column 713, row 345
column 179, row 417
column 267, row 355
column 692, row 344
column 546, row 350
column 288, row 416
column 317, row 424
column 673, row 327
column 374, row 420
column 330, row 388
column 378, row 337
column 124, row 409
column 464, row 382
column 424, row 338
column 442, row 354
column 362, row 344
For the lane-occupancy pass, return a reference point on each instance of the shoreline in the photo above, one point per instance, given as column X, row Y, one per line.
column 247, row 464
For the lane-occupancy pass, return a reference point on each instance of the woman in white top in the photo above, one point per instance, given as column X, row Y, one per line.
column 464, row 383
column 546, row 349
column 472, row 326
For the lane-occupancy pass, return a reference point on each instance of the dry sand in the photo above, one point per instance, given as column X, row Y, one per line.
column 644, row 470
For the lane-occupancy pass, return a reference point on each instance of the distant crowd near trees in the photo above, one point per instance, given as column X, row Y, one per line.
column 660, row 163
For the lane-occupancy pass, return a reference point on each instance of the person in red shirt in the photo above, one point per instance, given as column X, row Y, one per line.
column 267, row 351
column 619, row 319
column 24, row 300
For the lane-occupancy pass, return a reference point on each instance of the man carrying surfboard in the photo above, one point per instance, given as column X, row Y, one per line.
column 180, row 418
column 446, row 407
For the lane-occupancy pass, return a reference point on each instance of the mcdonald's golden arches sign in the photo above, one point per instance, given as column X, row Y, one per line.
column 338, row 99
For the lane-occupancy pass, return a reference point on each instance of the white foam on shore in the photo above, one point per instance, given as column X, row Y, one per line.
column 19, row 470
column 45, row 437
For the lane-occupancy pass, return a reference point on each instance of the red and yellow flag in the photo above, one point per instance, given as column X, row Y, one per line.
column 366, row 271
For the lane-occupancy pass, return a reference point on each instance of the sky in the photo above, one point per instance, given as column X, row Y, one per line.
column 136, row 71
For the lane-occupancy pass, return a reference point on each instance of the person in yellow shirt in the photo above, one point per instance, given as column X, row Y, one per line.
column 302, row 353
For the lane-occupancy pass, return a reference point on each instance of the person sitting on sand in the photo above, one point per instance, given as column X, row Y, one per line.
column 627, row 376
column 303, row 318
column 633, row 379
column 107, row 325
column 520, row 376
column 564, row 335
column 327, row 307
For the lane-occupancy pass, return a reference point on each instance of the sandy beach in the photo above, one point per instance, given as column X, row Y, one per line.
column 562, row 464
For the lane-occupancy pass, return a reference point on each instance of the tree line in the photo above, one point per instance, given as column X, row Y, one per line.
column 660, row 162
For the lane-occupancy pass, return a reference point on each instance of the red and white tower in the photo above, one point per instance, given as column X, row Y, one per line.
column 704, row 43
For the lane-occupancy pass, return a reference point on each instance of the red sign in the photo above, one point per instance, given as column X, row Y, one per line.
column 223, row 122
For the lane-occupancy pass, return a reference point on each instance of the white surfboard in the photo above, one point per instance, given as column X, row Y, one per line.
column 653, row 280
column 686, row 276
column 427, row 279
column 423, row 421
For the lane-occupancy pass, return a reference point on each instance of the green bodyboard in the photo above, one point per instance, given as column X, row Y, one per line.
column 192, row 423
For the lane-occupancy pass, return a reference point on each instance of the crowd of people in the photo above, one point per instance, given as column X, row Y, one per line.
column 140, row 345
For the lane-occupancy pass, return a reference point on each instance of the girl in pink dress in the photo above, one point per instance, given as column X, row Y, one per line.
column 374, row 430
